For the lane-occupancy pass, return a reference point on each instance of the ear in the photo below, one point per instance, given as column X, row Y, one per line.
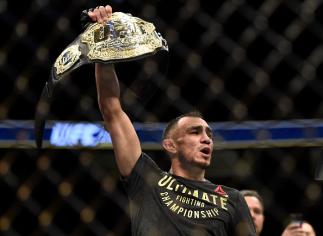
column 169, row 146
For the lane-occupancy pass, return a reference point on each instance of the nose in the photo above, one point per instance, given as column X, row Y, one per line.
column 206, row 138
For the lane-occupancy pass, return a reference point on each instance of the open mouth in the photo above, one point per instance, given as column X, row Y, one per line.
column 206, row 150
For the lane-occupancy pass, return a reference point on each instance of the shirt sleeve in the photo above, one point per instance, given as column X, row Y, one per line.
column 141, row 175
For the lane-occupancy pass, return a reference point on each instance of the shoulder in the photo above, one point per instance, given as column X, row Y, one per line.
column 230, row 189
column 146, row 163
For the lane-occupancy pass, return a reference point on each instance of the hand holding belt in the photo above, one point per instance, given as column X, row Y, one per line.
column 122, row 38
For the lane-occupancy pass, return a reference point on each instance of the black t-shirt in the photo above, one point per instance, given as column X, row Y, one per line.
column 165, row 204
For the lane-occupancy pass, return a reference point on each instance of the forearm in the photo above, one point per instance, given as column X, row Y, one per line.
column 108, row 90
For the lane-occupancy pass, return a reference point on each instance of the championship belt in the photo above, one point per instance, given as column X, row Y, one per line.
column 123, row 38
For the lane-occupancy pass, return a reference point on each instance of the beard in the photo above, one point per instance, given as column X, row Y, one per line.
column 190, row 160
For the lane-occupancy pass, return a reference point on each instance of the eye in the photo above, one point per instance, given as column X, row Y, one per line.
column 209, row 134
column 257, row 211
column 194, row 132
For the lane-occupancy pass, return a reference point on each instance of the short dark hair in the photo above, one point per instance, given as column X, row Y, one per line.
column 170, row 125
column 253, row 193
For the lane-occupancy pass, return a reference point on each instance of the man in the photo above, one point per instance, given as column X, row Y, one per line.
column 182, row 202
column 299, row 229
column 256, row 207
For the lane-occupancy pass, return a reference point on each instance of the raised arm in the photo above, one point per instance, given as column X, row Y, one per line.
column 125, row 141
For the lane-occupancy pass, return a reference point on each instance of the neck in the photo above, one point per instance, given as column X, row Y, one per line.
column 192, row 173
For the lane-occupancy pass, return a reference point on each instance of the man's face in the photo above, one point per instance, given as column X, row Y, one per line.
column 193, row 139
column 256, row 211
column 297, row 228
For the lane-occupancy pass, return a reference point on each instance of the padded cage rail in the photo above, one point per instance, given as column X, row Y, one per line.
column 227, row 135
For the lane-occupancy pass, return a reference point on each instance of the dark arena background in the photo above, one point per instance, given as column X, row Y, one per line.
column 251, row 67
